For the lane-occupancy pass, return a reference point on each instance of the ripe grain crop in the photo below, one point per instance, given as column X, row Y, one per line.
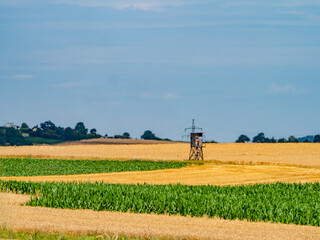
column 284, row 203
column 213, row 174
column 298, row 154
column 36, row 167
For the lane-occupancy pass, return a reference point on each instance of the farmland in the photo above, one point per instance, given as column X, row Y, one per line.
column 84, row 222
column 209, row 196
column 35, row 167
column 297, row 154
column 213, row 174
column 284, row 203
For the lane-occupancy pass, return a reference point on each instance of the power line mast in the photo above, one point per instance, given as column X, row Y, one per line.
column 196, row 142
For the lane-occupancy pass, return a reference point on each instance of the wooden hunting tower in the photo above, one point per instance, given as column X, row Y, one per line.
column 196, row 143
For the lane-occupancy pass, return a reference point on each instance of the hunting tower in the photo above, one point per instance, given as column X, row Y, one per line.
column 196, row 142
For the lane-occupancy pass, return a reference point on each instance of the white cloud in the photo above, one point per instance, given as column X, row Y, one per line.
column 21, row 76
column 170, row 96
column 287, row 88
column 146, row 5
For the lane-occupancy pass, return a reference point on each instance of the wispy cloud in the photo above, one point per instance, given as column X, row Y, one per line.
column 283, row 89
column 146, row 5
column 21, row 77
column 72, row 84
column 170, row 96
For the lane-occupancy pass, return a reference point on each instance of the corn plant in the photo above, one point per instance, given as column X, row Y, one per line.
column 280, row 202
column 37, row 167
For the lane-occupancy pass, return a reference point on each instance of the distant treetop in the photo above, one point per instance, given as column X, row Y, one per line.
column 148, row 135
column 243, row 138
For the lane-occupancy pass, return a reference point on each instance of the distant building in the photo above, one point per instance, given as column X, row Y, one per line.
column 11, row 125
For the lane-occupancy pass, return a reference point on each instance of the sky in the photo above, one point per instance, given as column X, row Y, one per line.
column 236, row 67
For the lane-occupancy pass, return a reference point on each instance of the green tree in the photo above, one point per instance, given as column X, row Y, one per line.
column 48, row 125
column 272, row 140
column 148, row 135
column 68, row 134
column 282, row 140
column 293, row 139
column 93, row 131
column 316, row 138
column 260, row 138
column 81, row 128
column 37, row 133
column 59, row 133
column 24, row 125
column 2, row 137
column 243, row 138
column 72, row 135
column 126, row 135
column 24, row 128
column 12, row 137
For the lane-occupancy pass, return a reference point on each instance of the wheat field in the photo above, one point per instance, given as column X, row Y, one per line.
column 295, row 154
column 212, row 174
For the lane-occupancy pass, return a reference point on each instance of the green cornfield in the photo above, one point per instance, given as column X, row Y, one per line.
column 41, row 167
column 280, row 202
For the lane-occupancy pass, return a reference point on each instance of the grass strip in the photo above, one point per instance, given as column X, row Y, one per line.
column 41, row 167
column 40, row 140
column 280, row 202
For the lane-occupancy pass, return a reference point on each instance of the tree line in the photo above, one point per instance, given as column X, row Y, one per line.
column 24, row 135
column 47, row 130
column 260, row 138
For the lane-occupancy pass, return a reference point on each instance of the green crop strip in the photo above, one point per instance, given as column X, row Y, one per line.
column 280, row 202
column 41, row 167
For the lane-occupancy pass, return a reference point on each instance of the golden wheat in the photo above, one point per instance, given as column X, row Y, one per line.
column 299, row 154
column 193, row 175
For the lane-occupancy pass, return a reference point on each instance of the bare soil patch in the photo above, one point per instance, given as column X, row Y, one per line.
column 23, row 218
column 195, row 175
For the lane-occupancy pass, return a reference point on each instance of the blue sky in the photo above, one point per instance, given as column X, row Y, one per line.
column 126, row 65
